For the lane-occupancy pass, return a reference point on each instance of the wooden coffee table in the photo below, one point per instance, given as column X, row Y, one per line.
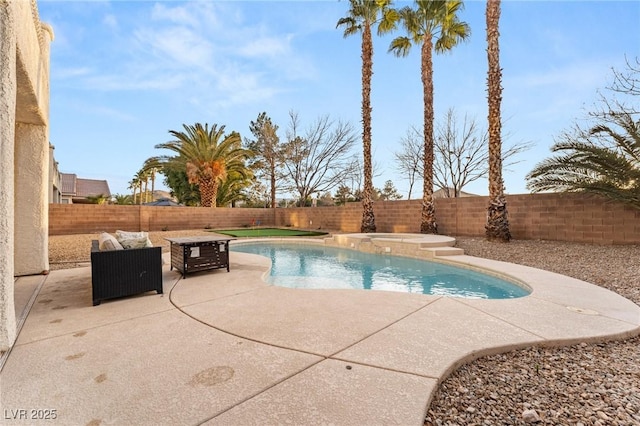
column 192, row 254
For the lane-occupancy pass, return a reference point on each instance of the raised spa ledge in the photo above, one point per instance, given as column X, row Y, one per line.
column 412, row 245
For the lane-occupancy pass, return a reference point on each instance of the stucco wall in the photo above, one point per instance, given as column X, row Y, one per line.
column 7, row 129
column 31, row 199
column 564, row 217
column 24, row 151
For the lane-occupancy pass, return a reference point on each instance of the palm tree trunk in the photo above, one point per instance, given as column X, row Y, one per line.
column 497, row 228
column 368, row 218
column 207, row 192
column 153, row 183
column 428, row 215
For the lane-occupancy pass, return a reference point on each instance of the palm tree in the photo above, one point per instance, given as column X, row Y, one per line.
column 206, row 155
column 134, row 184
column 431, row 19
column 604, row 160
column 152, row 166
column 497, row 227
column 362, row 15
column 122, row 199
column 231, row 189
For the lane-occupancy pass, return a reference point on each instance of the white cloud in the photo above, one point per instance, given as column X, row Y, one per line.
column 110, row 21
column 178, row 15
column 210, row 54
column 575, row 75
column 180, row 45
column 74, row 72
column 140, row 81
column 268, row 46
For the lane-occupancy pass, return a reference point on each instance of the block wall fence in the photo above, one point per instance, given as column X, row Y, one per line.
column 563, row 217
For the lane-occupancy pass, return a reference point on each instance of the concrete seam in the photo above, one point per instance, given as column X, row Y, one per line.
column 22, row 319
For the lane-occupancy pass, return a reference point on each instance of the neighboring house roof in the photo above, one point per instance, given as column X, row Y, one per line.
column 67, row 184
column 440, row 193
column 82, row 188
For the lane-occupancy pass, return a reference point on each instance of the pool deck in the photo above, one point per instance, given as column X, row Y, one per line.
column 224, row 348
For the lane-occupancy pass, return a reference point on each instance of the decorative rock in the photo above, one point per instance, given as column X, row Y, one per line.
column 565, row 385
column 530, row 416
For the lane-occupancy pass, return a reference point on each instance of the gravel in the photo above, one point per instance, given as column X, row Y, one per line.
column 70, row 251
column 583, row 384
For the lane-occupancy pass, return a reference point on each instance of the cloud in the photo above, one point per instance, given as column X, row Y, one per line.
column 268, row 46
column 74, row 72
column 180, row 46
column 178, row 15
column 110, row 21
column 573, row 76
column 211, row 54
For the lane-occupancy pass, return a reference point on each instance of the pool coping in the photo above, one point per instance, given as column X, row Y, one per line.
column 227, row 348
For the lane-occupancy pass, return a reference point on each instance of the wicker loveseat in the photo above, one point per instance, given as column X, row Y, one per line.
column 119, row 273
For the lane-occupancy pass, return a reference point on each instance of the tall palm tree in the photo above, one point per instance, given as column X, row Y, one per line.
column 362, row 15
column 152, row 166
column 431, row 19
column 497, row 227
column 134, row 184
column 206, row 155
column 144, row 184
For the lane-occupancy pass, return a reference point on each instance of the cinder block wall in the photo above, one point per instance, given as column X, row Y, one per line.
column 563, row 217
column 92, row 218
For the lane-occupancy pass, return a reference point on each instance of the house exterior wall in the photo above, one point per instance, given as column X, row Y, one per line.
column 562, row 217
column 55, row 194
column 24, row 112
column 7, row 131
column 31, row 226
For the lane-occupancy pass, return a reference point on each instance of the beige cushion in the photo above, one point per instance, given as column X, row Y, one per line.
column 107, row 242
column 133, row 240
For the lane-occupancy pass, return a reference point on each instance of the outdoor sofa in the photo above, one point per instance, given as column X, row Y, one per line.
column 124, row 272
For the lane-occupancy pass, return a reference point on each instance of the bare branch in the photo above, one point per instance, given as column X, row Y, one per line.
column 318, row 161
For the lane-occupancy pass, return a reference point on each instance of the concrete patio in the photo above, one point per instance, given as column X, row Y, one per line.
column 225, row 348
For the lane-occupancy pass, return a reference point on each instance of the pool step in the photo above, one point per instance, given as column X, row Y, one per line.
column 444, row 251
column 412, row 245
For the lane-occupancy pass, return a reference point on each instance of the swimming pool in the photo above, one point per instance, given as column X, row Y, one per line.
column 316, row 266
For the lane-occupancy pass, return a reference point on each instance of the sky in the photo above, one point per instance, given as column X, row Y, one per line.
column 124, row 73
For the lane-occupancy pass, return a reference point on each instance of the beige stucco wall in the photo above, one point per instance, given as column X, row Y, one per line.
column 7, row 128
column 31, row 226
column 24, row 151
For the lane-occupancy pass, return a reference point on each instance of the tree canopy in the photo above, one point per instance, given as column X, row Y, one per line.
column 603, row 157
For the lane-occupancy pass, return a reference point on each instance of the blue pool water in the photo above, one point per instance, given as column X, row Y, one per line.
column 310, row 266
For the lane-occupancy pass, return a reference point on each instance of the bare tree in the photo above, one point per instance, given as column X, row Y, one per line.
column 627, row 81
column 461, row 153
column 409, row 160
column 353, row 177
column 319, row 160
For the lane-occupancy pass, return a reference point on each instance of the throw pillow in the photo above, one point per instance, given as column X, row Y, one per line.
column 107, row 242
column 132, row 240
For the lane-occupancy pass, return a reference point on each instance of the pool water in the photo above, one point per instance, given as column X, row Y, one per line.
column 311, row 266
